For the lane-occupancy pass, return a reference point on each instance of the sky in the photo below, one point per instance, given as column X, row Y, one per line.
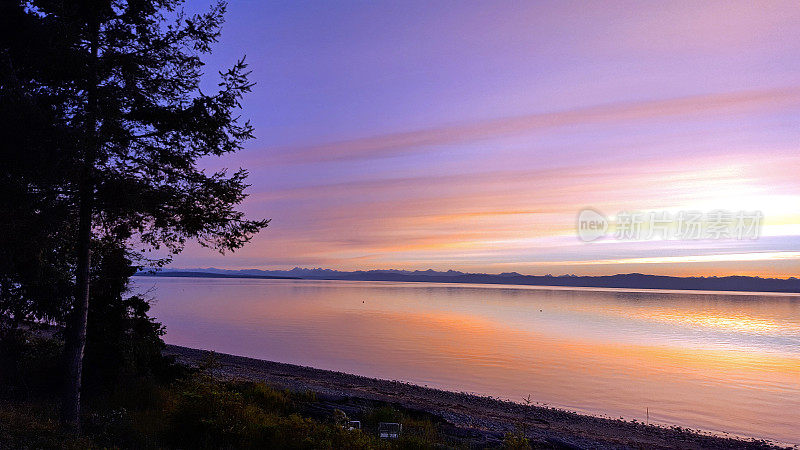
column 469, row 135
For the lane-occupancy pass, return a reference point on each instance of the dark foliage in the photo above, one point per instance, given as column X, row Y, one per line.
column 122, row 341
column 27, row 365
column 102, row 124
column 153, row 123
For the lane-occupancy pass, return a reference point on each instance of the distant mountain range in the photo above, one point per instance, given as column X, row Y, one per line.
column 629, row 280
column 201, row 274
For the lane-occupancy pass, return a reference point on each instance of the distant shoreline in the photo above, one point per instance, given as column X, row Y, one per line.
column 468, row 414
column 211, row 275
column 621, row 281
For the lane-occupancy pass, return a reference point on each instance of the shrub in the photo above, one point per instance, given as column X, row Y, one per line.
column 516, row 440
column 27, row 365
column 251, row 415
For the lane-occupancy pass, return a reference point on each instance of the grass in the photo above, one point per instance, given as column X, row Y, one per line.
column 201, row 413
column 193, row 409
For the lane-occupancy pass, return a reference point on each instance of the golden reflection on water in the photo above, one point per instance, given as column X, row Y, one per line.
column 711, row 362
column 730, row 323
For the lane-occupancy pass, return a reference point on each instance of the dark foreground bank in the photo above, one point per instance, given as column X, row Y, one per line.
column 464, row 420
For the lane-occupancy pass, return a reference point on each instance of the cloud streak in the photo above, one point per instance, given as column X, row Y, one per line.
column 469, row 136
column 685, row 108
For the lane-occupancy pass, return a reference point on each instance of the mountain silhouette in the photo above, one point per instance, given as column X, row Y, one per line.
column 629, row 280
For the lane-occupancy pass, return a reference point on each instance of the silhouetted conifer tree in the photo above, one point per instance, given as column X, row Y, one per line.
column 109, row 106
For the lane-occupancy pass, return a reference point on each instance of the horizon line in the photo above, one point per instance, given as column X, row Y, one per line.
column 188, row 269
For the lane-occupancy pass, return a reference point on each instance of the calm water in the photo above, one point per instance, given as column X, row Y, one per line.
column 720, row 362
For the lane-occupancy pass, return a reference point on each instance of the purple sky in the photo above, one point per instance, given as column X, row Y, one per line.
column 468, row 135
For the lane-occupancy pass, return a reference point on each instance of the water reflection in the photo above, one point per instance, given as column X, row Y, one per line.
column 719, row 362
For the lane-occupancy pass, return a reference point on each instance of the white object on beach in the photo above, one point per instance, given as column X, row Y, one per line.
column 389, row 430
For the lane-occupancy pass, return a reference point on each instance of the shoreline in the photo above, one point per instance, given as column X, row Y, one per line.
column 479, row 285
column 634, row 282
column 481, row 419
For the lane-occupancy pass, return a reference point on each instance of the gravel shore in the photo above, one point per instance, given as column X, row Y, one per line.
column 479, row 421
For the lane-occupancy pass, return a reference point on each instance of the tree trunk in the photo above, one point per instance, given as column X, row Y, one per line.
column 75, row 341
column 76, row 330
